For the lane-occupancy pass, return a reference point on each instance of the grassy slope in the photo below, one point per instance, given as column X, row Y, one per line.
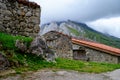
column 74, row 31
column 31, row 62
column 114, row 42
column 8, row 41
column 99, row 37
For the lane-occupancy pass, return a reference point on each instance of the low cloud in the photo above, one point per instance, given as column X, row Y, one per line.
column 78, row 10
column 96, row 12
column 109, row 26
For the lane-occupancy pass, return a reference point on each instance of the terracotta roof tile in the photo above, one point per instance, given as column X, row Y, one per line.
column 97, row 46
column 94, row 45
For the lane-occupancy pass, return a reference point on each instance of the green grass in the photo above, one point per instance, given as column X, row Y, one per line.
column 111, row 41
column 74, row 31
column 27, row 62
column 82, row 66
column 8, row 41
column 89, row 33
column 35, row 63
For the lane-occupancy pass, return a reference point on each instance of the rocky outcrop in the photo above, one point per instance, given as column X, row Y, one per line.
column 81, row 31
column 66, row 27
column 40, row 48
column 21, row 45
column 37, row 47
column 4, row 64
column 19, row 17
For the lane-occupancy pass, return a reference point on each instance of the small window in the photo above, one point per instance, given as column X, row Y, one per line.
column 79, row 54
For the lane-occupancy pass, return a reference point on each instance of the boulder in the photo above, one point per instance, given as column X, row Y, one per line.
column 40, row 48
column 21, row 46
column 4, row 63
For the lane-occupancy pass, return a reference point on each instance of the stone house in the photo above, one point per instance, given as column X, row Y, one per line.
column 78, row 49
column 60, row 43
column 92, row 51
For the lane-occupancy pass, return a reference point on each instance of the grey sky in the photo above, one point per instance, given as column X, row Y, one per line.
column 102, row 15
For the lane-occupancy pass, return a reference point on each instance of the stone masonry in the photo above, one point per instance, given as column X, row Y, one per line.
column 19, row 17
column 60, row 44
column 96, row 55
column 63, row 46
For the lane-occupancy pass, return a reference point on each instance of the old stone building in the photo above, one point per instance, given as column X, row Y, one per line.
column 91, row 51
column 78, row 49
column 19, row 17
column 61, row 44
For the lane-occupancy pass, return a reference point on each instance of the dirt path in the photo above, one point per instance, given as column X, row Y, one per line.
column 65, row 75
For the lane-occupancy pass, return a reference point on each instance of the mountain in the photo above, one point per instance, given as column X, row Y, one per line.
column 80, row 30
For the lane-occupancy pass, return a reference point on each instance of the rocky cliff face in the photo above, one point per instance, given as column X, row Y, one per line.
column 80, row 30
column 19, row 17
column 66, row 27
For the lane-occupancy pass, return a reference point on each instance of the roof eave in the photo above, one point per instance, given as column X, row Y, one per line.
column 96, row 48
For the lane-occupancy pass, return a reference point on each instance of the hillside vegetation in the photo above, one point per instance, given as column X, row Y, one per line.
column 99, row 37
column 81, row 30
column 22, row 62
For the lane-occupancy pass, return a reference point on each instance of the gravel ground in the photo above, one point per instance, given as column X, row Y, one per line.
column 65, row 75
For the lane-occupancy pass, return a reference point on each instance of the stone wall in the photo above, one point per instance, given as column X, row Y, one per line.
column 19, row 17
column 97, row 56
column 60, row 44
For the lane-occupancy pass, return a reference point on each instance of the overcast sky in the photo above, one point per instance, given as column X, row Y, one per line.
column 102, row 15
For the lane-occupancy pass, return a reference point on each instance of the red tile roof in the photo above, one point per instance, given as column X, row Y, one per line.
column 97, row 46
column 93, row 45
column 28, row 3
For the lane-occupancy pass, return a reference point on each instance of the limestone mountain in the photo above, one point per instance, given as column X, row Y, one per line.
column 80, row 30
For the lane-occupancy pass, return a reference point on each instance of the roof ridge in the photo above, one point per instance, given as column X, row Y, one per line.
column 92, row 44
column 95, row 45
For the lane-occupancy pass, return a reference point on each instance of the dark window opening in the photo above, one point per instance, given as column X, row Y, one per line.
column 79, row 54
